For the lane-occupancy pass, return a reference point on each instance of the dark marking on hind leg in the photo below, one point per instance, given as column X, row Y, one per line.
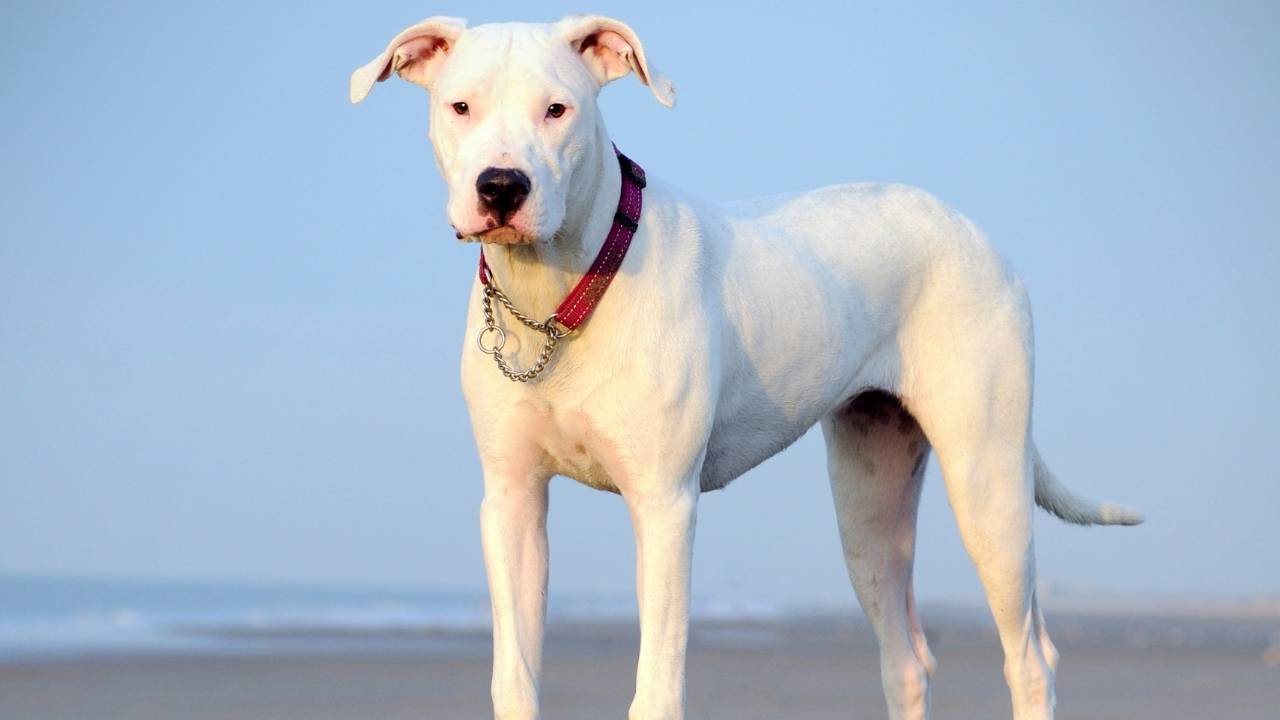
column 877, row 407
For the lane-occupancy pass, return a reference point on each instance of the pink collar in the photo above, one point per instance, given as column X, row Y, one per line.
column 577, row 306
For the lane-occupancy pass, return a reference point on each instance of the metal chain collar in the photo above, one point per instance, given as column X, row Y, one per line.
column 548, row 327
column 580, row 301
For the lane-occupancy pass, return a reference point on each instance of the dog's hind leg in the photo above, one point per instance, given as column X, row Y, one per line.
column 876, row 455
column 974, row 403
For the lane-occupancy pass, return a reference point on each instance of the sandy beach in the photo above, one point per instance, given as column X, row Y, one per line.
column 1114, row 667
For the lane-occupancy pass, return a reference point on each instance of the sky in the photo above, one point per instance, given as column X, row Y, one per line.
column 231, row 309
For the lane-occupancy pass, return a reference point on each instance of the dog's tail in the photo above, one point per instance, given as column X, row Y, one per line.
column 1055, row 498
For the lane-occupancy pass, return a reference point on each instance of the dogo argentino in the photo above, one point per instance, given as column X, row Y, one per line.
column 692, row 341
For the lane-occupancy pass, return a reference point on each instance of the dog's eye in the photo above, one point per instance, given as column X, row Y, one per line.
column 555, row 110
column 461, row 108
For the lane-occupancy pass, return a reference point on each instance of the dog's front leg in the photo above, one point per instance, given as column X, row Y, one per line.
column 664, row 520
column 513, row 526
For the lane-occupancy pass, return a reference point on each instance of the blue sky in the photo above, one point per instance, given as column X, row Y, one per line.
column 231, row 309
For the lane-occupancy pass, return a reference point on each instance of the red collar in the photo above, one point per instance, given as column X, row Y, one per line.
column 577, row 306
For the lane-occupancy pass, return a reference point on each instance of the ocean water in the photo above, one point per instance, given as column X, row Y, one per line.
column 43, row 616
column 59, row 616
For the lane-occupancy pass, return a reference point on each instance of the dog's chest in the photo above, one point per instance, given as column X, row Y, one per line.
column 574, row 457
column 576, row 461
column 569, row 441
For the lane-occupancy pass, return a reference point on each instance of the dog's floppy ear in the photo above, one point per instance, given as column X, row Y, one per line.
column 415, row 54
column 610, row 50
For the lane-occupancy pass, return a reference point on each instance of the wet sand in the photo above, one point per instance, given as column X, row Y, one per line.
column 1113, row 667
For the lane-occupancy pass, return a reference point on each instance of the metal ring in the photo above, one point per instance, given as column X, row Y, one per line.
column 553, row 326
column 498, row 342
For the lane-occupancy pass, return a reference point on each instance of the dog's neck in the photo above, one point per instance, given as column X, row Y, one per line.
column 537, row 276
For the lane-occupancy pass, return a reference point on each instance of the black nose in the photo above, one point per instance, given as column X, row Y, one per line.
column 502, row 190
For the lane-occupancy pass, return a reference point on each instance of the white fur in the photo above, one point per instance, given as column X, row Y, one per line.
column 730, row 331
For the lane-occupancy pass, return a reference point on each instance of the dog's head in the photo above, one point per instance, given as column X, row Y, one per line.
column 513, row 113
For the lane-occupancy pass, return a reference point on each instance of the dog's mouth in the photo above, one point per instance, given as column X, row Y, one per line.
column 501, row 235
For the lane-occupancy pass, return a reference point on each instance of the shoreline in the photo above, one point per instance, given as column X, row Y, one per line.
column 1113, row 666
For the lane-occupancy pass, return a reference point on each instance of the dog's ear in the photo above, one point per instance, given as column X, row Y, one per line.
column 415, row 54
column 610, row 50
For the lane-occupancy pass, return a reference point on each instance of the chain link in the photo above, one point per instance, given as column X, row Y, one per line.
column 547, row 327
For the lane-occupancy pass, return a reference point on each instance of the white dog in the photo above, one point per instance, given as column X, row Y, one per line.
column 727, row 332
